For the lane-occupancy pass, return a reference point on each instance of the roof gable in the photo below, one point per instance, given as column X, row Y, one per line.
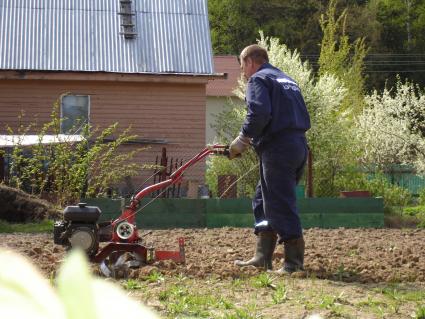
column 173, row 36
column 224, row 87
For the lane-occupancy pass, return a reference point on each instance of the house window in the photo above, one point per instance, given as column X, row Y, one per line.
column 75, row 110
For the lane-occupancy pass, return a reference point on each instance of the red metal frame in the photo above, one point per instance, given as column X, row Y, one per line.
column 141, row 250
column 129, row 214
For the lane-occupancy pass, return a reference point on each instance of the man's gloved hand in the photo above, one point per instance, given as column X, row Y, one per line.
column 239, row 145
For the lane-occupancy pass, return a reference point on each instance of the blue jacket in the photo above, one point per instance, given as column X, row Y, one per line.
column 275, row 105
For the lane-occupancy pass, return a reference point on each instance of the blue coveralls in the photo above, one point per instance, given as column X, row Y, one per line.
column 277, row 119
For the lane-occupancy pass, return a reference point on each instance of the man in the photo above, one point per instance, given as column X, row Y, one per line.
column 275, row 125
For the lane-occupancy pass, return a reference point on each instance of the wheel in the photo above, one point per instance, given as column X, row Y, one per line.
column 86, row 239
column 124, row 230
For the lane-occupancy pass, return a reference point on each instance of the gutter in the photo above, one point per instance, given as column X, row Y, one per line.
column 109, row 76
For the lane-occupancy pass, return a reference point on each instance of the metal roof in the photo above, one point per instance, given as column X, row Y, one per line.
column 172, row 36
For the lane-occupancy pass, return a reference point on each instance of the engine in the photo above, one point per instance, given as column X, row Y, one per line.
column 79, row 228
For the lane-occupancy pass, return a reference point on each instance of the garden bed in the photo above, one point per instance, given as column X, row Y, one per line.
column 350, row 255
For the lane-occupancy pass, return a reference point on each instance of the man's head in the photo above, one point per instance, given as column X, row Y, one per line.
column 251, row 58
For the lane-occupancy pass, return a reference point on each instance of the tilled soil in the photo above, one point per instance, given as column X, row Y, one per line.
column 351, row 255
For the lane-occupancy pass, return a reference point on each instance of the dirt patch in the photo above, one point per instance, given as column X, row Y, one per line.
column 350, row 255
column 18, row 206
column 363, row 255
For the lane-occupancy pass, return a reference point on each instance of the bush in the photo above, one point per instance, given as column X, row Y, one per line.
column 422, row 196
column 418, row 213
column 393, row 195
column 64, row 172
column 379, row 186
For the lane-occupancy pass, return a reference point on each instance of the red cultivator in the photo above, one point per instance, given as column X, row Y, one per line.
column 124, row 248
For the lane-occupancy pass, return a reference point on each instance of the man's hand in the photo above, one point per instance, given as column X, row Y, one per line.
column 238, row 146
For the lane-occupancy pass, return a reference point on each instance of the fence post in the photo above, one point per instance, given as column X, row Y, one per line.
column 309, row 187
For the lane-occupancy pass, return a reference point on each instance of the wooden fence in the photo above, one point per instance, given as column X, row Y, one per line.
column 164, row 213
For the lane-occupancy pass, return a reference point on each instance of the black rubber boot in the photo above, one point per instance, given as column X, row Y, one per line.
column 293, row 256
column 266, row 243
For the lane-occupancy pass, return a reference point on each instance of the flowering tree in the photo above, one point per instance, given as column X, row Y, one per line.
column 392, row 127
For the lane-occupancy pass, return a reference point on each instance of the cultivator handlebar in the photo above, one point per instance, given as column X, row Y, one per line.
column 129, row 214
column 176, row 177
column 178, row 174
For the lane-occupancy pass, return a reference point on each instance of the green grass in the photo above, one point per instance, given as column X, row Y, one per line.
column 248, row 312
column 280, row 295
column 154, row 276
column 399, row 293
column 263, row 280
column 180, row 300
column 268, row 296
column 131, row 284
column 40, row 227
column 420, row 312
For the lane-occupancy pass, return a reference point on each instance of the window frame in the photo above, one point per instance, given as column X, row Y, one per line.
column 62, row 113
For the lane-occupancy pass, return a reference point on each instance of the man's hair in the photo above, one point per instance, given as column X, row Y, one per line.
column 257, row 53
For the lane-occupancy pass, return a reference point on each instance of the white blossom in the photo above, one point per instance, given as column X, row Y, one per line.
column 389, row 127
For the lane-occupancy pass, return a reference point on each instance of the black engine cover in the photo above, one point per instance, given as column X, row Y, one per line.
column 82, row 213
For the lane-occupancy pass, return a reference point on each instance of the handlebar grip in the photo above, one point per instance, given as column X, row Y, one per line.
column 224, row 152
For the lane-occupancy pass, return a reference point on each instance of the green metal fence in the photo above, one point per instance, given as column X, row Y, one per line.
column 414, row 183
column 211, row 213
column 404, row 176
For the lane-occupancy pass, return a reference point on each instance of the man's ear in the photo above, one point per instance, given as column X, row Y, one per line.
column 249, row 61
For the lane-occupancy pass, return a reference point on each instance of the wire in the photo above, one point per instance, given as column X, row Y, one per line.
column 138, row 210
column 231, row 185
column 395, row 71
column 376, row 54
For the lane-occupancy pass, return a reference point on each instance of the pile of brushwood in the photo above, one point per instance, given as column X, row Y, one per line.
column 20, row 207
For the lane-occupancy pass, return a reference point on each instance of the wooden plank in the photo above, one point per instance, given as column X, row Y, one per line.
column 335, row 220
column 311, row 220
column 228, row 206
column 233, row 220
column 168, row 213
column 340, row 205
column 170, row 220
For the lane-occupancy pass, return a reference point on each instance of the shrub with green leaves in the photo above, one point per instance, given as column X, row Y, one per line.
column 64, row 172
column 422, row 197
column 418, row 213
column 378, row 186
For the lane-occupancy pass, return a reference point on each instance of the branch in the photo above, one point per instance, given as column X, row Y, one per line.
column 404, row 140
